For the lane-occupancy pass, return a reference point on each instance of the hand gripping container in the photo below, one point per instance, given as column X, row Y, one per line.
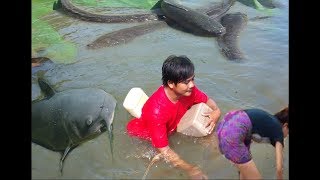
column 134, row 101
column 193, row 122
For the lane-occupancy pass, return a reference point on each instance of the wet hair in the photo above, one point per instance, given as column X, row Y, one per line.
column 176, row 69
column 283, row 116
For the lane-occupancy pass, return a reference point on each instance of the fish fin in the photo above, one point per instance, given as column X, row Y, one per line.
column 57, row 5
column 215, row 10
column 64, row 155
column 46, row 88
column 177, row 6
column 110, row 133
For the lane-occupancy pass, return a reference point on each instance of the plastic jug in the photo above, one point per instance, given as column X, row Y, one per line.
column 134, row 101
column 193, row 122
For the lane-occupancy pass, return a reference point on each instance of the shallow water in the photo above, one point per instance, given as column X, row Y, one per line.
column 260, row 81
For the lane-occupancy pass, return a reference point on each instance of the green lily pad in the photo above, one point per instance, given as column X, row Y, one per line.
column 46, row 41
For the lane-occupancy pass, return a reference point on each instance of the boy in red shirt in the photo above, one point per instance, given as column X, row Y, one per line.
column 163, row 110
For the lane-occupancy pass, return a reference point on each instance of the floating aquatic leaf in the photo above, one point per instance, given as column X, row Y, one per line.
column 46, row 41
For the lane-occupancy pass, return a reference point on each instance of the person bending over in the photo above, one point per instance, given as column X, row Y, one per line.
column 238, row 127
column 163, row 110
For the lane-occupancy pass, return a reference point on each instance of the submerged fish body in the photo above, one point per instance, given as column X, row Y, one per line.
column 234, row 23
column 191, row 20
column 71, row 9
column 126, row 35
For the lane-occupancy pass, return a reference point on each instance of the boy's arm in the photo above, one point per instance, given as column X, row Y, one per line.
column 193, row 171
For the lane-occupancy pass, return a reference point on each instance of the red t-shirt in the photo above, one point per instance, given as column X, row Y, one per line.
column 160, row 117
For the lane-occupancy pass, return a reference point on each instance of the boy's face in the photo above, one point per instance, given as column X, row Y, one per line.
column 184, row 88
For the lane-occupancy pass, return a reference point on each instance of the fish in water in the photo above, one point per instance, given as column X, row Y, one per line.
column 71, row 9
column 63, row 120
column 191, row 20
column 228, row 43
column 212, row 23
column 126, row 35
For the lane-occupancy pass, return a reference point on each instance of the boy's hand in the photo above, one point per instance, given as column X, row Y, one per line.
column 210, row 124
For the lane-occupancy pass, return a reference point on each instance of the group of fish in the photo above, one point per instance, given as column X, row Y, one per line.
column 61, row 121
column 210, row 22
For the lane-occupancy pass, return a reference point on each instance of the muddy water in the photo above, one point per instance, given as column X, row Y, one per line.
column 260, row 81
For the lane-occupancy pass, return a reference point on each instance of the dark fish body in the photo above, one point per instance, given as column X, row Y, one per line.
column 64, row 120
column 61, row 120
column 212, row 23
column 125, row 35
column 219, row 9
column 68, row 7
column 128, row 34
column 234, row 24
column 191, row 20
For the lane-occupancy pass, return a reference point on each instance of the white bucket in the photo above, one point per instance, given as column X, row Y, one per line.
column 134, row 101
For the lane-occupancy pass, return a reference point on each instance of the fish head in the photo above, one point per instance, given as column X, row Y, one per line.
column 215, row 28
column 218, row 31
column 95, row 124
column 88, row 113
column 107, row 112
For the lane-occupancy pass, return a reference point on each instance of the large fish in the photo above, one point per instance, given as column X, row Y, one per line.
column 64, row 120
column 192, row 20
column 71, row 9
column 126, row 35
column 211, row 23
column 228, row 43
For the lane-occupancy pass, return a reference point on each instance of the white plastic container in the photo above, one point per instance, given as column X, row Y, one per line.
column 193, row 122
column 134, row 101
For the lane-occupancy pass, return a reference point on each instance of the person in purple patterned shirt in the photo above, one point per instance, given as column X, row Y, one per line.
column 238, row 127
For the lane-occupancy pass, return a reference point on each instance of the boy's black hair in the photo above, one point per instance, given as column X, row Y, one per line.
column 176, row 69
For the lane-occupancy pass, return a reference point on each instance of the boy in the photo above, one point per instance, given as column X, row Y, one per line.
column 163, row 110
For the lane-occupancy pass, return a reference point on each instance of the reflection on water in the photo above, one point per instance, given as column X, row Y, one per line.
column 260, row 81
